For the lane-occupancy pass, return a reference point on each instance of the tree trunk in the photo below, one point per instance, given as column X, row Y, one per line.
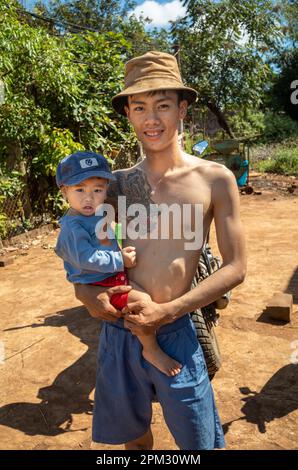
column 26, row 198
column 15, row 162
column 14, row 154
column 220, row 117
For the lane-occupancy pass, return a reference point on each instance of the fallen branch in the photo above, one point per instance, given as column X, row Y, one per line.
column 28, row 347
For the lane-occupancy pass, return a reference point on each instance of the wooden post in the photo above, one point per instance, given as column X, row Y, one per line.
column 180, row 126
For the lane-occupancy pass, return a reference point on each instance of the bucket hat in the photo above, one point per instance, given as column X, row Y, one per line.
column 151, row 72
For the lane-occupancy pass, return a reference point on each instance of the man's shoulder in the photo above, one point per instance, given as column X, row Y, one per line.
column 125, row 178
column 125, row 172
column 210, row 170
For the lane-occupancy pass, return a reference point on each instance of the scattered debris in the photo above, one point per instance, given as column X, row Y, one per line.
column 48, row 246
column 35, row 242
column 11, row 248
column 291, row 189
column 22, row 243
column 282, row 184
column 28, row 236
column 24, row 246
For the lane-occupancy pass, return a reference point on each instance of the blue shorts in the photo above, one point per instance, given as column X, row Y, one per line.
column 126, row 384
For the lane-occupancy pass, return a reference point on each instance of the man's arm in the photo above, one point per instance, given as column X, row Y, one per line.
column 97, row 300
column 231, row 243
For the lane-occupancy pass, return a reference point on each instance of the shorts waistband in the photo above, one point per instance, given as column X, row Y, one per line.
column 165, row 329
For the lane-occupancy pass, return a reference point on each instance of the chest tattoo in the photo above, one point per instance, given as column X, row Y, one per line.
column 137, row 190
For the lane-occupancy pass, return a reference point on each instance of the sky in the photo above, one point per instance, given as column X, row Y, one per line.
column 160, row 11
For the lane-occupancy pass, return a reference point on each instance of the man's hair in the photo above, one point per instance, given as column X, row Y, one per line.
column 180, row 94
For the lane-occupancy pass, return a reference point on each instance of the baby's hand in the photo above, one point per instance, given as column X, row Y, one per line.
column 129, row 256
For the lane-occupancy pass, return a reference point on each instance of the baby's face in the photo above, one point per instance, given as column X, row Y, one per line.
column 86, row 196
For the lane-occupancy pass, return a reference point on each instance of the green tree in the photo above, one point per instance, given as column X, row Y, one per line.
column 284, row 91
column 57, row 96
column 282, row 95
column 100, row 61
column 143, row 39
column 223, row 46
column 289, row 11
column 105, row 16
column 39, row 77
column 97, row 15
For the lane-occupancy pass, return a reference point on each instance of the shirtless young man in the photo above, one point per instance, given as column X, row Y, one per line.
column 154, row 100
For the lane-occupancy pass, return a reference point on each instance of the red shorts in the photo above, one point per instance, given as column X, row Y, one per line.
column 119, row 301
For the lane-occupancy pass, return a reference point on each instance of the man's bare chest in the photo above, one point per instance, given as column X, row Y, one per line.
column 188, row 189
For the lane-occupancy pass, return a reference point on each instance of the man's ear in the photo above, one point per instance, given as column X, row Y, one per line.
column 126, row 109
column 183, row 105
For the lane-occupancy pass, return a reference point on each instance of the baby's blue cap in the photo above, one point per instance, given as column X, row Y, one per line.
column 80, row 166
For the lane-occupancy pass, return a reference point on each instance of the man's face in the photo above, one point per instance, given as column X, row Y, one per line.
column 86, row 196
column 155, row 118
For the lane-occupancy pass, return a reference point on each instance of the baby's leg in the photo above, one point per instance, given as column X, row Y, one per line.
column 151, row 350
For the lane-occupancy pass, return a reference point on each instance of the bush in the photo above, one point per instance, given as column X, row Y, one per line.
column 278, row 127
column 3, row 221
column 268, row 126
column 11, row 184
column 247, row 123
column 55, row 145
column 56, row 204
column 284, row 162
column 11, row 210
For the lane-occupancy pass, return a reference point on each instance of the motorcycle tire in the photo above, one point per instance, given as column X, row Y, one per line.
column 205, row 319
column 205, row 331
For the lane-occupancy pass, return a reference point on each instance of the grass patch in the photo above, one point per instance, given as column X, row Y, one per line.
column 283, row 162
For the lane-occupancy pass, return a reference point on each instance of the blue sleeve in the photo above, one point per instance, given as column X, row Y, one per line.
column 74, row 246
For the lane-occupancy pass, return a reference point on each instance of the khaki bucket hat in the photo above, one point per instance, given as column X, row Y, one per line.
column 150, row 72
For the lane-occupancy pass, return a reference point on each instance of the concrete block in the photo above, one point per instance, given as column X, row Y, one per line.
column 280, row 306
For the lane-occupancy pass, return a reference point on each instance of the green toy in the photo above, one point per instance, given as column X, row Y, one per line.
column 118, row 233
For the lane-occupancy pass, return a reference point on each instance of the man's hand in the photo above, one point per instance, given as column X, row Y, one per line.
column 145, row 316
column 129, row 256
column 97, row 300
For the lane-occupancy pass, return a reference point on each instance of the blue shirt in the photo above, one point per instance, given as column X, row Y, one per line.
column 85, row 259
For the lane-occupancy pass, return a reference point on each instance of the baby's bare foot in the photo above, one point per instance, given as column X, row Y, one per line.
column 162, row 361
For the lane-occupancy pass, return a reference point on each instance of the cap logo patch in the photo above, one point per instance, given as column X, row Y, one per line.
column 88, row 162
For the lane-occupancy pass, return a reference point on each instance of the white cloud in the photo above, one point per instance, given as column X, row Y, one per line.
column 160, row 14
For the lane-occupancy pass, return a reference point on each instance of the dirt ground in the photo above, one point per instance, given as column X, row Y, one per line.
column 50, row 342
